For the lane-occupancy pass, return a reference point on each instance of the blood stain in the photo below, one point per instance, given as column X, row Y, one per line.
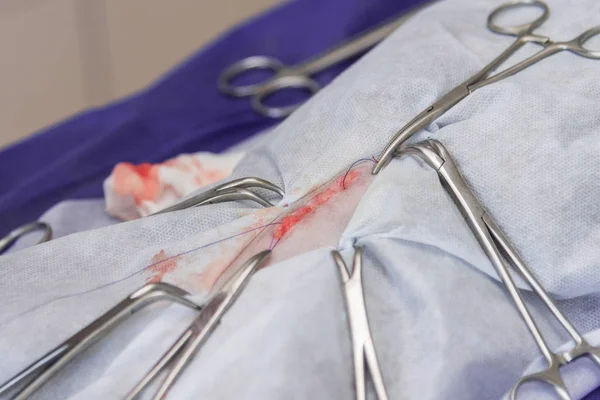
column 161, row 265
column 140, row 181
column 339, row 185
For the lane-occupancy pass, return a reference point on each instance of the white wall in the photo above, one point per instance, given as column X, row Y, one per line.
column 62, row 56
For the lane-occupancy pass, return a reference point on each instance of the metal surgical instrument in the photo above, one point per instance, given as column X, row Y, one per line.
column 15, row 234
column 297, row 76
column 182, row 351
column 230, row 191
column 363, row 350
column 40, row 371
column 484, row 77
column 501, row 253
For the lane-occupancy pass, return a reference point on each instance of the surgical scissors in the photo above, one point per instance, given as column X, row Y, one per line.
column 182, row 351
column 41, row 370
column 501, row 253
column 297, row 76
column 362, row 343
column 524, row 34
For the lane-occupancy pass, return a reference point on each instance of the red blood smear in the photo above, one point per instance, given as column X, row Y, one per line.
column 339, row 185
column 161, row 265
column 291, row 220
column 140, row 181
column 143, row 169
